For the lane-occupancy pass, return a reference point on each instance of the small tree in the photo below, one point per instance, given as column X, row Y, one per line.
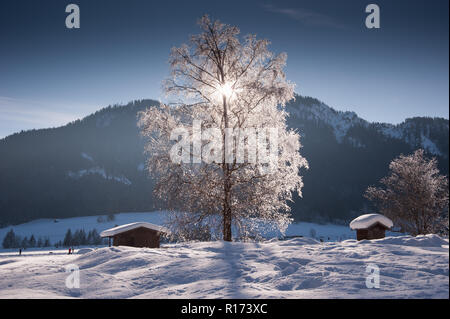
column 32, row 241
column 10, row 240
column 68, row 238
column 25, row 243
column 47, row 242
column 413, row 195
column 79, row 238
column 94, row 238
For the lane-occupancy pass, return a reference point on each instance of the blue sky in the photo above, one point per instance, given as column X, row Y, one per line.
column 50, row 75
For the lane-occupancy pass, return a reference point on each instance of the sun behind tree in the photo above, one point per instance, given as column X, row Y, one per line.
column 244, row 161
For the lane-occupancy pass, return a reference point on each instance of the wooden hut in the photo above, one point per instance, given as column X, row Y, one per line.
column 371, row 226
column 138, row 234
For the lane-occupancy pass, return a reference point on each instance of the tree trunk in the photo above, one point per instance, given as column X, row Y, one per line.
column 227, row 204
column 227, row 225
column 227, row 183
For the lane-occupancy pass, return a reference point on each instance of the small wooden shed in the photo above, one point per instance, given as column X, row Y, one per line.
column 138, row 234
column 371, row 226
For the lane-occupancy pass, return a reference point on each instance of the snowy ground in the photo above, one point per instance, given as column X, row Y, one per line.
column 297, row 268
column 55, row 231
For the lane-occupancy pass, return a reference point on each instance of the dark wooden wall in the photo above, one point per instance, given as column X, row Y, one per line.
column 376, row 231
column 138, row 237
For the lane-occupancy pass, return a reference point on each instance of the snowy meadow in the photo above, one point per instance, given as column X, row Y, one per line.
column 409, row 267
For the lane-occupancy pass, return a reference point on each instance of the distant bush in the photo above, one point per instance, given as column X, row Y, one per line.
column 79, row 238
column 12, row 240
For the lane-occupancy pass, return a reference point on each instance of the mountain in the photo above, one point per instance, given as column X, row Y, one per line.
column 88, row 166
column 346, row 154
column 96, row 165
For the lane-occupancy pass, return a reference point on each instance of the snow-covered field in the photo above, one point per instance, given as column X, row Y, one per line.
column 410, row 267
column 295, row 268
column 55, row 231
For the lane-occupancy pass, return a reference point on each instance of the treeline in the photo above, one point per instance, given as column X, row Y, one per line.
column 77, row 238
column 12, row 240
column 80, row 238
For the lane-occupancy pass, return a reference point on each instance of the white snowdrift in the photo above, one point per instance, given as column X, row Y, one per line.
column 367, row 220
column 83, row 251
column 430, row 240
column 410, row 267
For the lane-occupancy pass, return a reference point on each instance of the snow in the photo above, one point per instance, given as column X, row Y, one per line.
column 340, row 121
column 56, row 229
column 87, row 156
column 430, row 240
column 430, row 146
column 83, row 251
column 123, row 228
column 410, row 267
column 367, row 220
column 98, row 171
column 390, row 130
column 325, row 232
column 399, row 131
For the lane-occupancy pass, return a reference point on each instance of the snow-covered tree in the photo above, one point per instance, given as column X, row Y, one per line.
column 32, row 241
column 68, row 238
column 47, row 242
column 227, row 104
column 11, row 240
column 414, row 195
column 25, row 242
column 40, row 242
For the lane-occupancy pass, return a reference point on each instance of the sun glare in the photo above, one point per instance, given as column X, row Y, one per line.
column 226, row 89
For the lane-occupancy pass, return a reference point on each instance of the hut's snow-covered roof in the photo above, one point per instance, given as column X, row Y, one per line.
column 123, row 228
column 367, row 220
